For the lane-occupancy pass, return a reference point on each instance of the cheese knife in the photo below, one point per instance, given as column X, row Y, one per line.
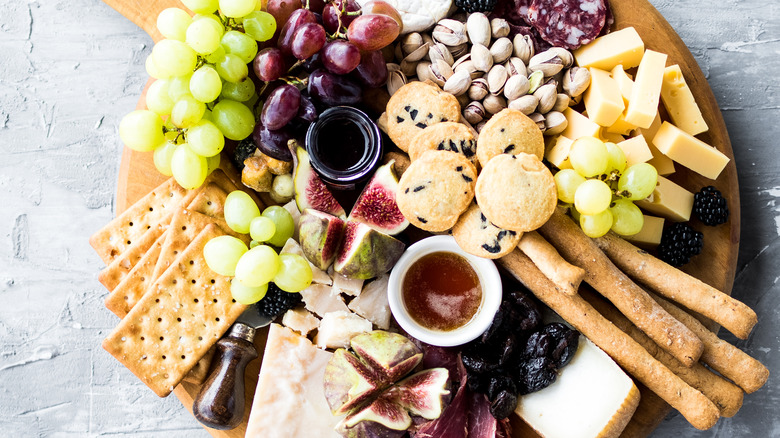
column 220, row 402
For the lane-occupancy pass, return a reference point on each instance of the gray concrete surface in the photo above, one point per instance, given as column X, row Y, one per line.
column 69, row 70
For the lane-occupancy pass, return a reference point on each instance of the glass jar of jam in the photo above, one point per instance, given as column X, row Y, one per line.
column 345, row 146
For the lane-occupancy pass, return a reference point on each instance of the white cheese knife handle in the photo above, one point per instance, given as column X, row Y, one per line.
column 220, row 403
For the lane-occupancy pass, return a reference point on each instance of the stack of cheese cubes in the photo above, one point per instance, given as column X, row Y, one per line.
column 625, row 110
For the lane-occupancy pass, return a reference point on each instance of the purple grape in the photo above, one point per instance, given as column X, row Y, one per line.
column 313, row 62
column 340, row 57
column 372, row 70
column 307, row 40
column 307, row 111
column 269, row 64
column 281, row 106
column 272, row 143
column 331, row 12
column 297, row 18
column 316, row 6
column 373, row 32
column 333, row 90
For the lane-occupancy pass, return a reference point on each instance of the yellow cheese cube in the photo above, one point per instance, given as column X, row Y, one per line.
column 690, row 151
column 636, row 150
column 579, row 125
column 643, row 103
column 679, row 102
column 650, row 132
column 558, row 151
column 668, row 200
column 663, row 164
column 650, row 234
column 620, row 47
column 610, row 136
column 602, row 98
column 621, row 126
column 624, row 82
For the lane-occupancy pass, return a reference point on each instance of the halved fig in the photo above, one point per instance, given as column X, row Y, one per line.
column 376, row 205
column 320, row 236
column 391, row 354
column 382, row 410
column 422, row 393
column 310, row 191
column 366, row 253
column 348, row 382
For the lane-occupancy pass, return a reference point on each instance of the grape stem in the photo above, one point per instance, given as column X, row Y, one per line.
column 296, row 82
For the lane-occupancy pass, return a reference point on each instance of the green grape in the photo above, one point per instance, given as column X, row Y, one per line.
column 239, row 210
column 204, row 36
column 234, row 119
column 628, row 218
column 251, row 103
column 142, row 130
column 567, row 181
column 187, row 111
column 213, row 18
column 174, row 58
column 232, row 68
column 172, row 23
column 260, row 25
column 189, row 169
column 205, row 84
column 588, row 156
column 262, row 229
column 207, row 115
column 205, row 139
column 247, row 295
column 638, row 181
column 592, row 197
column 285, row 225
column 222, row 254
column 157, row 98
column 596, row 225
column 254, row 243
column 294, row 273
column 213, row 163
column 152, row 69
column 163, row 156
column 237, row 8
column 617, row 158
column 240, row 44
column 240, row 92
column 179, row 86
column 201, row 6
column 258, row 266
column 216, row 56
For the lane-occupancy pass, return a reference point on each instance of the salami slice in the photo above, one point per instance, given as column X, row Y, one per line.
column 568, row 23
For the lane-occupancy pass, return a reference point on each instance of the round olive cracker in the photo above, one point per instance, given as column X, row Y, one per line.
column 509, row 132
column 478, row 236
column 436, row 189
column 414, row 107
column 445, row 136
column 516, row 192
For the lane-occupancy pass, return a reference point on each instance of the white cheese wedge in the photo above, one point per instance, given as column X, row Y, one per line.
column 346, row 285
column 320, row 299
column 300, row 320
column 418, row 15
column 289, row 401
column 592, row 397
column 372, row 303
column 338, row 328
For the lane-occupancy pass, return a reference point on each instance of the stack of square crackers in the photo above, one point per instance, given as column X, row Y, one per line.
column 173, row 308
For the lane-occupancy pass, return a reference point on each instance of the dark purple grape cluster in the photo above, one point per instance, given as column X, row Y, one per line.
column 517, row 355
column 337, row 44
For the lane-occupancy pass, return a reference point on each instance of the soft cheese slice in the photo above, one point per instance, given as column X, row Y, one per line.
column 592, row 397
column 289, row 401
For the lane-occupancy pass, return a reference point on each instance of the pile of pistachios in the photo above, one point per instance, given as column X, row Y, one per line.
column 473, row 58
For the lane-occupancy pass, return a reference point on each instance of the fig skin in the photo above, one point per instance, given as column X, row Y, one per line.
column 366, row 253
column 320, row 237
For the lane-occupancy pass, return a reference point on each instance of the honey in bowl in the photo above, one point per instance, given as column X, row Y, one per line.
column 441, row 291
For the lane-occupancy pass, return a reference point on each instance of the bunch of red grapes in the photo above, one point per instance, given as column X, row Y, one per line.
column 337, row 44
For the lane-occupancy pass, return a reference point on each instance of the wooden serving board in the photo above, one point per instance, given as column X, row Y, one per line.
column 715, row 266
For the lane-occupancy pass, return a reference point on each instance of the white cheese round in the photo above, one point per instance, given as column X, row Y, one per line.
column 418, row 15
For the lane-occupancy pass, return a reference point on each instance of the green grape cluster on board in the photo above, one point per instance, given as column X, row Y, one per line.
column 601, row 188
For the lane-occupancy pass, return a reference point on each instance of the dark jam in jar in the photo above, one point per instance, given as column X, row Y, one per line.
column 441, row 291
column 341, row 145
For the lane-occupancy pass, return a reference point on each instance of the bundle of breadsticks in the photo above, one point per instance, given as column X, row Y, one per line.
column 660, row 343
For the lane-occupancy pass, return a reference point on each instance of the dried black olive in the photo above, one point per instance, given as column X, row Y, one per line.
column 535, row 374
column 539, row 344
column 507, row 349
column 498, row 321
column 565, row 348
column 476, row 362
column 477, row 383
column 499, row 383
column 525, row 313
column 504, row 405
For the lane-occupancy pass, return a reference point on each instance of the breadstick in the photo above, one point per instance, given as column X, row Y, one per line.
column 726, row 395
column 563, row 274
column 692, row 404
column 631, row 299
column 678, row 286
column 723, row 357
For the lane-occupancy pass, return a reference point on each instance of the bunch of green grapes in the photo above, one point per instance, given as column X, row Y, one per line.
column 602, row 189
column 254, row 267
column 203, row 92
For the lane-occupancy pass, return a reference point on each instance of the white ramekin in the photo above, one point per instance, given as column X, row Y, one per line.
column 488, row 279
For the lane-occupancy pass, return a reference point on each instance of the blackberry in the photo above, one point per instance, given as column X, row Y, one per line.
column 245, row 149
column 710, row 206
column 476, row 5
column 679, row 243
column 277, row 301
